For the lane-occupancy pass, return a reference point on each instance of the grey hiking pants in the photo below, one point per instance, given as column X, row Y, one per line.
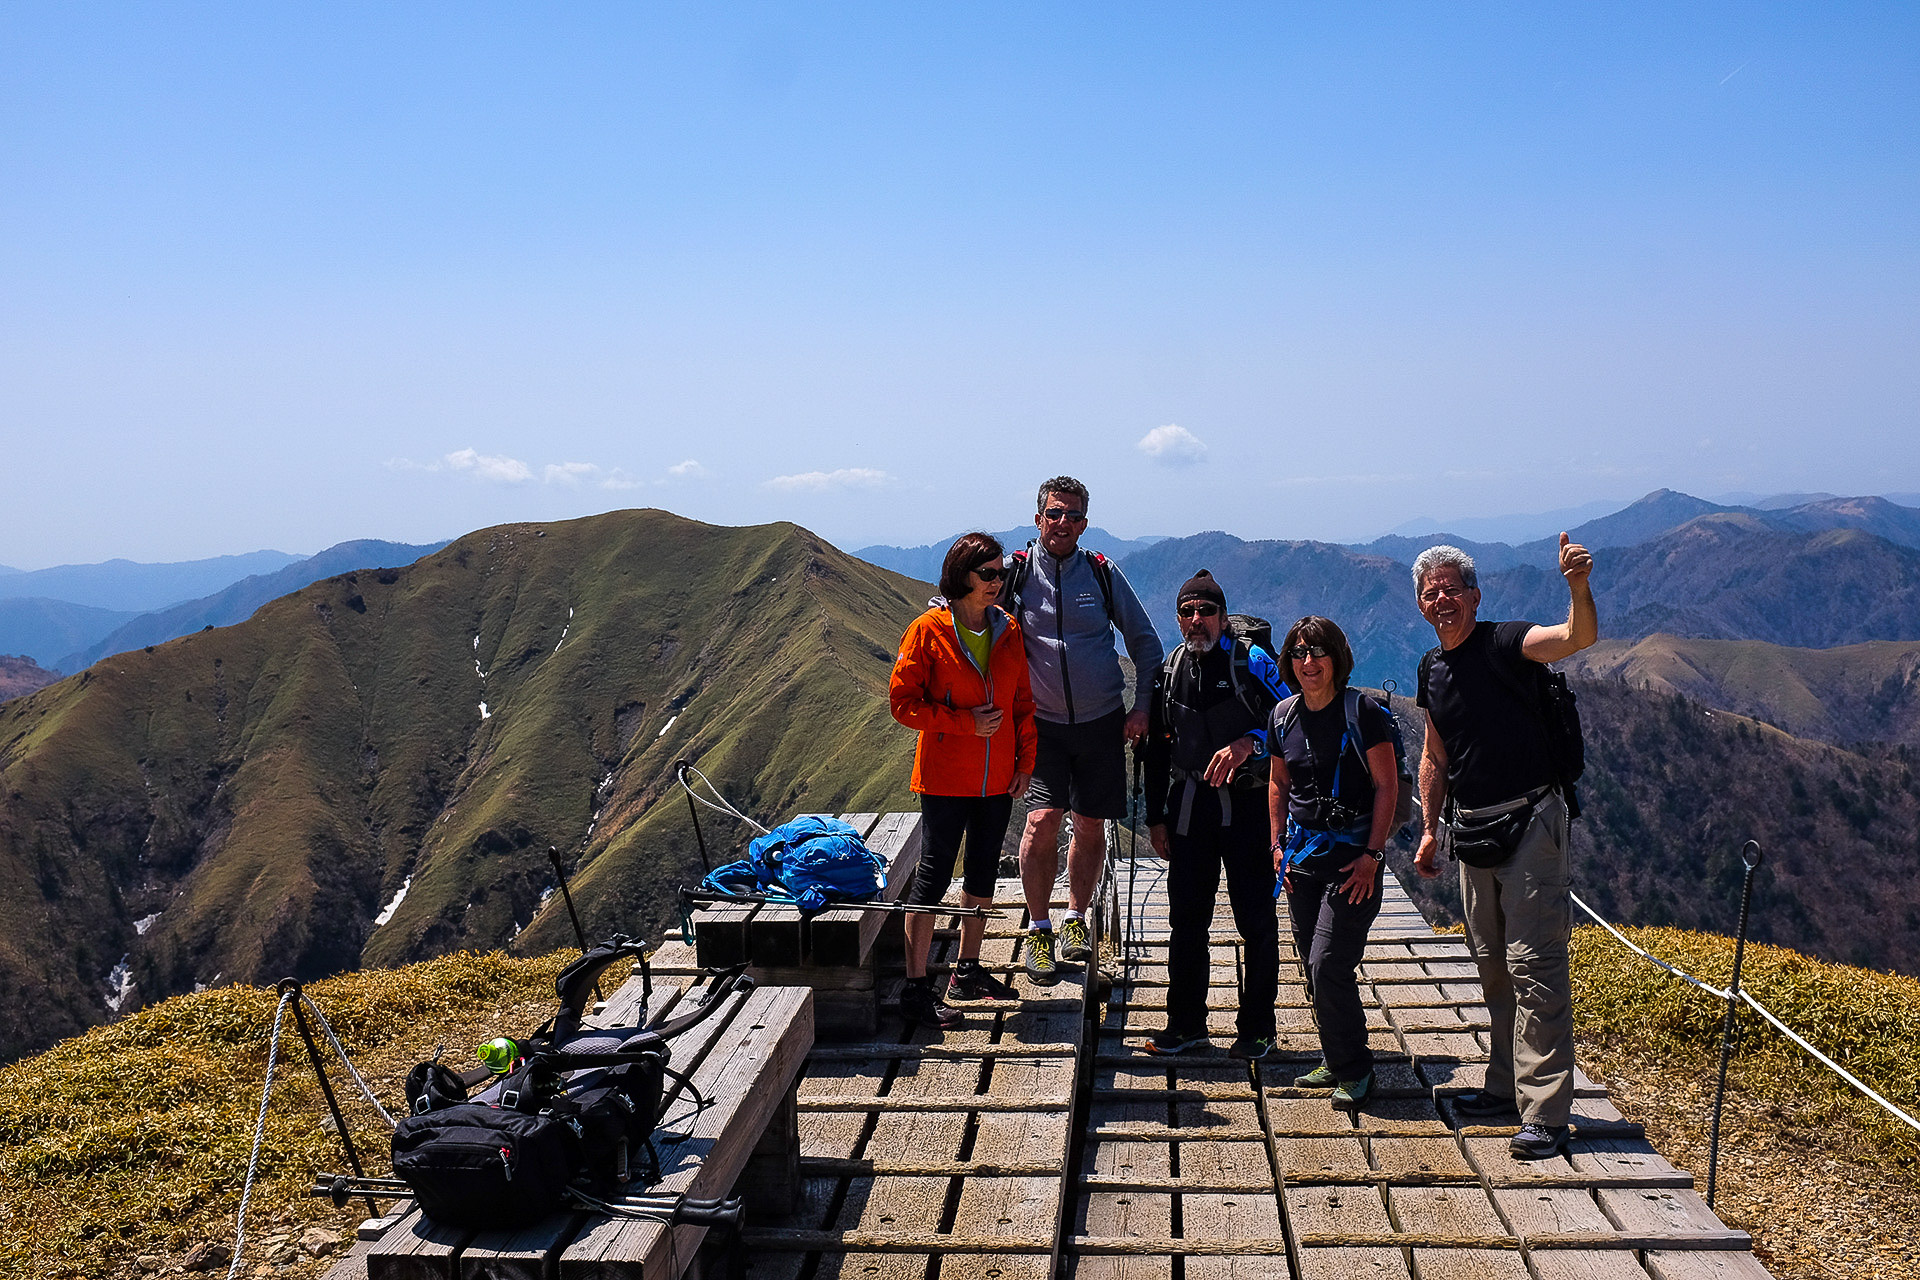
column 1519, row 919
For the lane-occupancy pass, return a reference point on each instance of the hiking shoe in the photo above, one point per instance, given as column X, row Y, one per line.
column 1168, row 1042
column 1250, row 1048
column 1351, row 1093
column 1040, row 957
column 971, row 982
column 1538, row 1141
column 1073, row 941
column 918, row 1004
column 1481, row 1103
column 1321, row 1077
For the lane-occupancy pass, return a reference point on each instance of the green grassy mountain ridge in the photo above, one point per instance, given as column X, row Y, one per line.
column 244, row 803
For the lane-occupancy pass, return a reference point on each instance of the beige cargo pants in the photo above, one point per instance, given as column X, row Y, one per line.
column 1518, row 922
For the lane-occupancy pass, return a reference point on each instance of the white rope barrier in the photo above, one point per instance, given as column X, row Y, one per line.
column 1762, row 1010
column 723, row 806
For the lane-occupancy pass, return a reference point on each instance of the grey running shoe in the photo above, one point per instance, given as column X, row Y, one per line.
column 1040, row 957
column 1321, row 1077
column 1250, row 1048
column 1351, row 1093
column 1073, row 941
column 1481, row 1103
column 1538, row 1141
column 1169, row 1042
column 971, row 982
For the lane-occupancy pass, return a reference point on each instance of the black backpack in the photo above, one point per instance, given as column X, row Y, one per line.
column 472, row 1165
column 1546, row 693
column 1403, row 803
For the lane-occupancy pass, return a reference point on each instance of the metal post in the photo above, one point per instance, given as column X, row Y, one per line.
column 289, row 985
column 1750, row 855
column 553, row 856
column 680, row 772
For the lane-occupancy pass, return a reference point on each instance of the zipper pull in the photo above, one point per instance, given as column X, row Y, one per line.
column 506, row 1160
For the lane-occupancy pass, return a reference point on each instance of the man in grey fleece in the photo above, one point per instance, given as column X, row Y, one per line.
column 1069, row 602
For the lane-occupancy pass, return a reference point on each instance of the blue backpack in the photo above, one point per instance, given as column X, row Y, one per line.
column 810, row 861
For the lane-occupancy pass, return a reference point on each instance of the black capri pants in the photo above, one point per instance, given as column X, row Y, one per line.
column 982, row 820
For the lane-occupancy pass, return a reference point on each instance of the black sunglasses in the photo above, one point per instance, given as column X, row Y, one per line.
column 1301, row 652
column 990, row 572
column 1197, row 609
column 1064, row 513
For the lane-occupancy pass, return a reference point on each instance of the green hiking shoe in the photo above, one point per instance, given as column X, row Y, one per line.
column 1321, row 1077
column 1040, row 957
column 1074, row 946
column 1351, row 1093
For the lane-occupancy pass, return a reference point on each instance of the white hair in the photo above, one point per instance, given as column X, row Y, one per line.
column 1436, row 557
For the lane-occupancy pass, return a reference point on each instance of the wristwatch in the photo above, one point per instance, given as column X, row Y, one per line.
column 1378, row 855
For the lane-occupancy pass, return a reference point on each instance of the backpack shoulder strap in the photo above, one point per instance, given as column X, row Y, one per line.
column 1241, row 666
column 1103, row 574
column 1016, row 579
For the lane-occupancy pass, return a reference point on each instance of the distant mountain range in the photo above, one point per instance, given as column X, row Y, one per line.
column 128, row 587
column 65, row 636
column 924, row 562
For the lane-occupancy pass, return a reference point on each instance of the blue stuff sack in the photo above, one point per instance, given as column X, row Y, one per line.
column 813, row 861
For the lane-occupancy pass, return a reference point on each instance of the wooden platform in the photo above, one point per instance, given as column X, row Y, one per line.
column 1220, row 1169
column 919, row 1145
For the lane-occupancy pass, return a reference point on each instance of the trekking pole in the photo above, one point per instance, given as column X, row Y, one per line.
column 1133, row 850
column 680, row 768
column 1750, row 856
column 553, row 856
column 291, row 986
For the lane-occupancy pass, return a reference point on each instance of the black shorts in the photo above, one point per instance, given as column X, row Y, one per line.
column 943, row 820
column 1082, row 767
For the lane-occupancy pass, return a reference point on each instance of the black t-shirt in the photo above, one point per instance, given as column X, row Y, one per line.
column 1496, row 743
column 1311, row 749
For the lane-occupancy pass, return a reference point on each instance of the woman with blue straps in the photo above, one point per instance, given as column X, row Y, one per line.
column 1332, row 792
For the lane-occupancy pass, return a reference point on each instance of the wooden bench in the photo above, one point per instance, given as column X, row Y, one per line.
column 833, row 952
column 745, row 1060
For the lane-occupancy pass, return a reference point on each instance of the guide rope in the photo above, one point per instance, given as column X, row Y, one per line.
column 719, row 802
column 1747, row 996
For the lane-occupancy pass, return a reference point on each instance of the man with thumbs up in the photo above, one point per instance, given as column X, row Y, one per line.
column 1493, row 798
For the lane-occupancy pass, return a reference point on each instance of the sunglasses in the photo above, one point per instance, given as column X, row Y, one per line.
column 1301, row 652
column 1064, row 513
column 989, row 572
column 1197, row 610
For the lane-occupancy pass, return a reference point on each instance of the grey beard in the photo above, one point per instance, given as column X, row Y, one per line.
column 1198, row 646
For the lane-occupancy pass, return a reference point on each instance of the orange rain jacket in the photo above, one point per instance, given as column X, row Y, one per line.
column 934, row 689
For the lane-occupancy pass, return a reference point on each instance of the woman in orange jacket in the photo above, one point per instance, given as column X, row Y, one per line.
column 961, row 680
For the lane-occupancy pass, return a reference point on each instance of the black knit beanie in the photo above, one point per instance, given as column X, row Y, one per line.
column 1201, row 586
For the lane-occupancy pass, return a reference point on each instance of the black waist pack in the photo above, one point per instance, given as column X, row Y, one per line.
column 471, row 1165
column 1491, row 840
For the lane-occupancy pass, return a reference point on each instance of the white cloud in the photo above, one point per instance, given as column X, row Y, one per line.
column 575, row 474
column 826, row 481
column 488, row 466
column 688, row 470
column 1173, row 446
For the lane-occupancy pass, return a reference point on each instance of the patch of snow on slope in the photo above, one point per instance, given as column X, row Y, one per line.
column 386, row 912
column 663, row 728
column 145, row 923
column 120, row 985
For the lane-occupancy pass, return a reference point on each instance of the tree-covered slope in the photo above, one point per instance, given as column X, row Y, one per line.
column 244, row 803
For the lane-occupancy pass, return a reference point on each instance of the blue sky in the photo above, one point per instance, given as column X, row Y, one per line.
column 285, row 275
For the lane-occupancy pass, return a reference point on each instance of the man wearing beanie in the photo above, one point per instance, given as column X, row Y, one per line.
column 1206, row 777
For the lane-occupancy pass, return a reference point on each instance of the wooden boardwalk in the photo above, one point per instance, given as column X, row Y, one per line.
column 1208, row 1167
column 922, row 1149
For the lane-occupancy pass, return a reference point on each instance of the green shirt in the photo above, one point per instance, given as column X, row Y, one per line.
column 978, row 643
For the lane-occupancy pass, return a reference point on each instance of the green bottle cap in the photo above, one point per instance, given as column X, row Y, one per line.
column 498, row 1055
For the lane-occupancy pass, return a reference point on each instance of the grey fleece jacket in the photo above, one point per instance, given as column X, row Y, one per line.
column 1071, row 658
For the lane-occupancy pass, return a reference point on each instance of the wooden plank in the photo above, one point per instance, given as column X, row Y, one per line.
column 1458, row 1210
column 865, row 1052
column 1230, row 1217
column 1570, row 1264
column 956, row 1102
column 1337, row 1211
column 837, row 1135
column 1125, row 1215
column 1667, row 1214
column 1702, row 1264
column 1413, row 1157
column 720, row 938
column 1545, row 1211
column 1335, row 1156
column 1469, row 1264
column 894, row 1205
column 418, row 1249
column 1002, row 1207
column 908, row 1167
column 747, row 1075
column 911, row 1121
